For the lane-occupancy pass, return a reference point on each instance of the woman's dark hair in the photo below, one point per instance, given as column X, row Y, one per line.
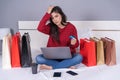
column 54, row 29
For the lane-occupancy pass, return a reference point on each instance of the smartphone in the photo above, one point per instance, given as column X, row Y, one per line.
column 72, row 73
column 57, row 74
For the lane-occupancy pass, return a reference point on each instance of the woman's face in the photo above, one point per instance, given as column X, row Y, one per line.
column 56, row 18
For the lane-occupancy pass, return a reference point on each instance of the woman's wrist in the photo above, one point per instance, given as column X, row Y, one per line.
column 50, row 9
column 48, row 12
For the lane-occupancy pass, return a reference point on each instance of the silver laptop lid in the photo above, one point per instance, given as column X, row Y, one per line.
column 56, row 52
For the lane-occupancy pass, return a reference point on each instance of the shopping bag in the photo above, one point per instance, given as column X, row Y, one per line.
column 99, row 50
column 6, row 51
column 3, row 32
column 15, row 50
column 110, row 51
column 87, row 50
column 26, row 59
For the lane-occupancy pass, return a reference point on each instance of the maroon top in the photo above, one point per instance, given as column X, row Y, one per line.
column 65, row 32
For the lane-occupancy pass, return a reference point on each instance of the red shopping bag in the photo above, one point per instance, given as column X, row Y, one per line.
column 15, row 50
column 87, row 50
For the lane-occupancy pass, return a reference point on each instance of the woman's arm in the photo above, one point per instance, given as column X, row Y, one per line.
column 74, row 40
column 43, row 26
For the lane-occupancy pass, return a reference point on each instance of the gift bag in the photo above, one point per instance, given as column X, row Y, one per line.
column 3, row 32
column 15, row 50
column 110, row 51
column 99, row 50
column 26, row 59
column 87, row 50
column 6, row 51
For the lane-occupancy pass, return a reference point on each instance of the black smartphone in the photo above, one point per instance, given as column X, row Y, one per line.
column 57, row 74
column 72, row 73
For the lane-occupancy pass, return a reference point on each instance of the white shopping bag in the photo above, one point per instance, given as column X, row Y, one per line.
column 6, row 58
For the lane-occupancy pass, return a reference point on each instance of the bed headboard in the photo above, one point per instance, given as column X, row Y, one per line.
column 98, row 29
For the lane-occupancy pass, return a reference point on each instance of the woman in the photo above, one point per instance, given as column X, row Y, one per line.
column 59, row 32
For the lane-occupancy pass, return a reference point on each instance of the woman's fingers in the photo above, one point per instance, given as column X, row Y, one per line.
column 50, row 9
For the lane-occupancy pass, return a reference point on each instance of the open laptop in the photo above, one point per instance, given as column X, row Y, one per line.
column 56, row 52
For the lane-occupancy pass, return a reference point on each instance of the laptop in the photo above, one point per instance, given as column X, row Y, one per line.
column 56, row 52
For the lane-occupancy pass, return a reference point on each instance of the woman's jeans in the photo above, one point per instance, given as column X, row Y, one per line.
column 56, row 64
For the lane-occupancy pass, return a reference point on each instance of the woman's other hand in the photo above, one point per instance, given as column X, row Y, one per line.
column 50, row 9
column 73, row 41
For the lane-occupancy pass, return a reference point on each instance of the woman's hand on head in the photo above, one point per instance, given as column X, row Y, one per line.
column 50, row 9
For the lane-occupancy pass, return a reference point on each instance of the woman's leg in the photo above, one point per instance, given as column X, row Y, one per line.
column 40, row 59
column 77, row 58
